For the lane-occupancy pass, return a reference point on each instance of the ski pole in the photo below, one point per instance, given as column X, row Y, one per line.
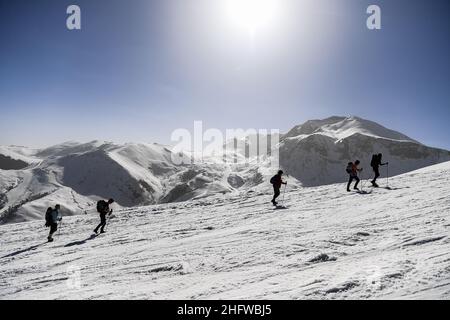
column 284, row 192
column 387, row 175
column 108, row 218
column 362, row 180
column 60, row 226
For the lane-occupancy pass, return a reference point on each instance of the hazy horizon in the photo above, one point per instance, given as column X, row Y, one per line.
column 173, row 143
column 138, row 70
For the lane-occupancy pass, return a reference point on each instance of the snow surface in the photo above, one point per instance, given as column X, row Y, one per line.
column 77, row 175
column 14, row 157
column 341, row 127
column 328, row 244
column 19, row 153
column 317, row 152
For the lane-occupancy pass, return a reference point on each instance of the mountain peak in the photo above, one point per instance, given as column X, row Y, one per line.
column 339, row 128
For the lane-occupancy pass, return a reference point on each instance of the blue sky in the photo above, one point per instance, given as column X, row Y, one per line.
column 140, row 69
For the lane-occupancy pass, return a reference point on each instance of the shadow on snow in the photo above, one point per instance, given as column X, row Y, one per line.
column 24, row 250
column 81, row 242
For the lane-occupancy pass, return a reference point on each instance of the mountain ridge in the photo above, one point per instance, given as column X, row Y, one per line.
column 312, row 154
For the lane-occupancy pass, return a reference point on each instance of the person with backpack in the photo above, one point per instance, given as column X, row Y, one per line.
column 375, row 164
column 103, row 209
column 277, row 181
column 52, row 217
column 353, row 170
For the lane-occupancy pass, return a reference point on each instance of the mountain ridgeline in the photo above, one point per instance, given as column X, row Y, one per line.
column 317, row 151
column 76, row 175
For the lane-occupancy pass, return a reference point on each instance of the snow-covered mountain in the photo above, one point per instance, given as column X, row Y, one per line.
column 76, row 175
column 16, row 158
column 327, row 244
column 317, row 151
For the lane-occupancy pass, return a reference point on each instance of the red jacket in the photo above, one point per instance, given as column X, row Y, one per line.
column 355, row 169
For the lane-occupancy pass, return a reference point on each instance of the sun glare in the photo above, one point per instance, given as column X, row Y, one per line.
column 252, row 15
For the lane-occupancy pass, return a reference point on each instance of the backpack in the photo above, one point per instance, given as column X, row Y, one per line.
column 349, row 168
column 374, row 161
column 48, row 217
column 273, row 179
column 102, row 206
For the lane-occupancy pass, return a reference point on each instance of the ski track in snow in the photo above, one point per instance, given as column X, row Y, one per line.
column 327, row 244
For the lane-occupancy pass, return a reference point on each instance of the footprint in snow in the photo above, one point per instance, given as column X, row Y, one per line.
column 322, row 258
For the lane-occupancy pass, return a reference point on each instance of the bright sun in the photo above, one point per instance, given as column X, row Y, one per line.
column 252, row 15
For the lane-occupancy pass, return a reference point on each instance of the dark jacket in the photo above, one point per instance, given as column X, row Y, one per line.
column 103, row 207
column 377, row 163
column 55, row 216
column 277, row 181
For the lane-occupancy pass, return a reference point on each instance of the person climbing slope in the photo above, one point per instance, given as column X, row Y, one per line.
column 277, row 181
column 353, row 170
column 375, row 164
column 103, row 209
column 52, row 217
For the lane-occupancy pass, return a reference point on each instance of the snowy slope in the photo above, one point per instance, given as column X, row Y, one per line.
column 19, row 153
column 317, row 152
column 76, row 175
column 343, row 127
column 328, row 244
column 16, row 158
